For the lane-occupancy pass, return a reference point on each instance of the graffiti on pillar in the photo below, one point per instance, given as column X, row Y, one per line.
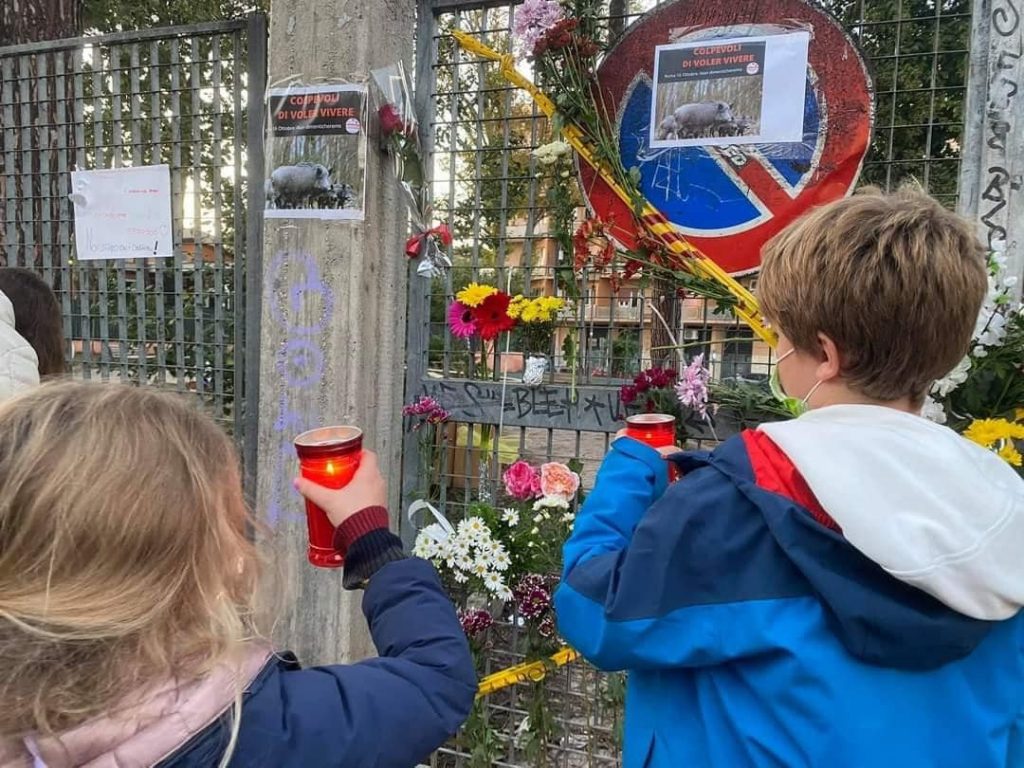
column 1001, row 180
column 301, row 304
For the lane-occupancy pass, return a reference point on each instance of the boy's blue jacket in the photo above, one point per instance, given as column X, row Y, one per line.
column 841, row 590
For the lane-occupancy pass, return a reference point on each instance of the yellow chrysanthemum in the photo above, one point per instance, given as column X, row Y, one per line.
column 1011, row 455
column 989, row 432
column 474, row 294
column 530, row 313
column 515, row 307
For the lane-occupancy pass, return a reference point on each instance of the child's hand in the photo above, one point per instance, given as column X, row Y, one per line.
column 367, row 489
column 667, row 451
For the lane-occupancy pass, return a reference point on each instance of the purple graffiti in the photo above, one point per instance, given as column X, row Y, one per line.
column 300, row 363
column 307, row 297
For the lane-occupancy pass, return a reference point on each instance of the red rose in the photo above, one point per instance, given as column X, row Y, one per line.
column 390, row 121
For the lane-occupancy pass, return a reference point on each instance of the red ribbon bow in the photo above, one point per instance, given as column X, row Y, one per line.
column 414, row 245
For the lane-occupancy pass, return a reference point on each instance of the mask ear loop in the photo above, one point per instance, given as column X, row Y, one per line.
column 807, row 397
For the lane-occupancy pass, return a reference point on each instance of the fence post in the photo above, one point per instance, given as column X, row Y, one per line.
column 256, row 44
column 345, row 284
column 993, row 166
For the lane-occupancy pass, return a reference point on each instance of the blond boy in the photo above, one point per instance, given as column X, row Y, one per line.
column 841, row 590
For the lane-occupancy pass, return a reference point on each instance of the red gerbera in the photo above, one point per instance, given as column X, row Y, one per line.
column 492, row 315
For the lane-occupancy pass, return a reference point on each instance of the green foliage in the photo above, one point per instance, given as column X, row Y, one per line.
column 919, row 92
column 123, row 15
column 749, row 403
column 625, row 357
column 995, row 386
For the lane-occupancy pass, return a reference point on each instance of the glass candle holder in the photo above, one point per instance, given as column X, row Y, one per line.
column 657, row 430
column 328, row 456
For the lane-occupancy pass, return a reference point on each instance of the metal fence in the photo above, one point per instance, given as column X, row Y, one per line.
column 187, row 97
column 488, row 188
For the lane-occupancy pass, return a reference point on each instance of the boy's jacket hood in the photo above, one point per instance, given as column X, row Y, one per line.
column 931, row 527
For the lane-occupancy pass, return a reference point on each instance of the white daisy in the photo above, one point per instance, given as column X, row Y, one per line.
column 501, row 561
column 493, row 581
column 510, row 517
column 473, row 528
column 464, row 563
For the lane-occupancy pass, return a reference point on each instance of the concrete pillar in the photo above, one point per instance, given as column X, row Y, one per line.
column 992, row 175
column 333, row 320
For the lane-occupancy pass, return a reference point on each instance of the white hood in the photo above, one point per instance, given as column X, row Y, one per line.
column 19, row 366
column 933, row 509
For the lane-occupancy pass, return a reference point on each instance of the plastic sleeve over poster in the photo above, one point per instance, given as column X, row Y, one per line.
column 747, row 90
column 316, row 152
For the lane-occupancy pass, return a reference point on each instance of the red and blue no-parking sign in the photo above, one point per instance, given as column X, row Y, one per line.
column 728, row 201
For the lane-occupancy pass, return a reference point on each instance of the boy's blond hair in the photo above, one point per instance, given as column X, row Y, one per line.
column 896, row 281
column 124, row 556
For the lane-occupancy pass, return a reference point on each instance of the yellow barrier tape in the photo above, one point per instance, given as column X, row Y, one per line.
column 746, row 305
column 533, row 671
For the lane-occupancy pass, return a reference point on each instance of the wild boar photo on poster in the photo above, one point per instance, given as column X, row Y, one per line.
column 316, row 153
column 747, row 90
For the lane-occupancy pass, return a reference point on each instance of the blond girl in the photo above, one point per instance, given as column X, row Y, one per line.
column 128, row 634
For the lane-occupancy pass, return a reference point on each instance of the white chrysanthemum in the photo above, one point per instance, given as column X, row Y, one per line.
column 510, row 517
column 486, row 547
column 473, row 529
column 504, row 594
column 933, row 411
column 551, row 502
column 948, row 383
column 548, row 154
column 501, row 561
column 493, row 581
column 481, row 568
column 425, row 547
column 568, row 517
column 464, row 562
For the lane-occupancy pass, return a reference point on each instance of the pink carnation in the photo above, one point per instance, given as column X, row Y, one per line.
column 522, row 481
column 558, row 480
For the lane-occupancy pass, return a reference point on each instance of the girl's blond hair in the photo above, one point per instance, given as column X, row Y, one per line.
column 124, row 558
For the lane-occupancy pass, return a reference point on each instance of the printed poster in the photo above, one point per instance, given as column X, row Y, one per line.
column 123, row 213
column 730, row 91
column 316, row 152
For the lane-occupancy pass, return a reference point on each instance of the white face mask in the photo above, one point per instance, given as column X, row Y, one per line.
column 796, row 406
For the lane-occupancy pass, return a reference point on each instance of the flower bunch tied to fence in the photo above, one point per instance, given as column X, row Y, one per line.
column 399, row 139
column 501, row 564
column 563, row 43
column 481, row 311
column 983, row 397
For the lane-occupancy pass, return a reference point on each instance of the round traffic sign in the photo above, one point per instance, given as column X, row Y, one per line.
column 728, row 201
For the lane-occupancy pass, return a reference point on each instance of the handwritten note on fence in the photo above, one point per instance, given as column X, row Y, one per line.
column 123, row 213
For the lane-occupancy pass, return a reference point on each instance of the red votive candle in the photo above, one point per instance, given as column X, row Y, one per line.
column 657, row 430
column 329, row 456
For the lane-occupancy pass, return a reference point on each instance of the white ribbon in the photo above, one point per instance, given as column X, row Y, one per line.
column 441, row 520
